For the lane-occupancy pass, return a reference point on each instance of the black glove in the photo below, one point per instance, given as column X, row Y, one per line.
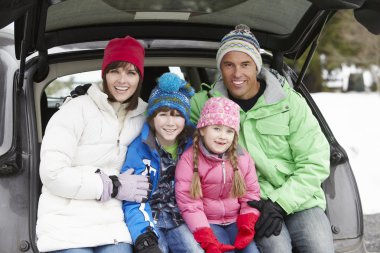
column 271, row 218
column 147, row 242
column 80, row 90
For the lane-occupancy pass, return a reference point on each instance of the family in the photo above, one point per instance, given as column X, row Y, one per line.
column 236, row 168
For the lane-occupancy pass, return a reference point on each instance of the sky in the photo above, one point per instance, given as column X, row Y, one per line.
column 354, row 119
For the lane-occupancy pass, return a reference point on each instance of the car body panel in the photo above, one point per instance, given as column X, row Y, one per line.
column 278, row 25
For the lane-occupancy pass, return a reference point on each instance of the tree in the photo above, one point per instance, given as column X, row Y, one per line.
column 344, row 40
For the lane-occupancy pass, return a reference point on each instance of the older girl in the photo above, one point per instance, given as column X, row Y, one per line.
column 157, row 226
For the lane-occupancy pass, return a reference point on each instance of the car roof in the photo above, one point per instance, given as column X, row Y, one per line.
column 284, row 26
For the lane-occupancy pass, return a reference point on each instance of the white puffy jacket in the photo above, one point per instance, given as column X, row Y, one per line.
column 80, row 138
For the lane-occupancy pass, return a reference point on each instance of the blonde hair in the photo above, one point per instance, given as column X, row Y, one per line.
column 239, row 187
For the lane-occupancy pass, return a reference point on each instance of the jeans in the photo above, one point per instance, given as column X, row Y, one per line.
column 110, row 248
column 226, row 234
column 307, row 231
column 177, row 239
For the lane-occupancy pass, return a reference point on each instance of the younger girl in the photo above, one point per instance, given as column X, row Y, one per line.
column 214, row 180
column 157, row 226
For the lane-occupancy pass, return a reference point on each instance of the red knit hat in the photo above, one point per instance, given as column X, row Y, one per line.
column 124, row 49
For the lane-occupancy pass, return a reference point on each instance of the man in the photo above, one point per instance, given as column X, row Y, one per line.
column 285, row 140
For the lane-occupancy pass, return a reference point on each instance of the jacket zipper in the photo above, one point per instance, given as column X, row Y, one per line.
column 224, row 172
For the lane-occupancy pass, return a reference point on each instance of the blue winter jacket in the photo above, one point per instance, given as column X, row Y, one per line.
column 143, row 157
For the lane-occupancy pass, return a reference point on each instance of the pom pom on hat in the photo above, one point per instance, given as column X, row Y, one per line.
column 125, row 49
column 172, row 92
column 241, row 39
column 220, row 111
column 170, row 82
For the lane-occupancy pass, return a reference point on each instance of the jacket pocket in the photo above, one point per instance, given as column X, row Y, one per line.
column 270, row 128
column 274, row 132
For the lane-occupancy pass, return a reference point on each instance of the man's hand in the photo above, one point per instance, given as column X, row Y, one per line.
column 271, row 218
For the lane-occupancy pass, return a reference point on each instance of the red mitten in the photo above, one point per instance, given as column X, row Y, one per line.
column 246, row 229
column 206, row 238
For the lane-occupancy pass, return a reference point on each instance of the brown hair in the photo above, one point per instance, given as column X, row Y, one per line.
column 185, row 133
column 238, row 185
column 134, row 99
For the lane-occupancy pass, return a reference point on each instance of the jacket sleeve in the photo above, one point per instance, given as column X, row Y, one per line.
column 311, row 154
column 196, row 105
column 252, row 184
column 133, row 158
column 58, row 148
column 138, row 216
column 191, row 209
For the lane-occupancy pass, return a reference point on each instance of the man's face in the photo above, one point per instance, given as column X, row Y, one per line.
column 239, row 75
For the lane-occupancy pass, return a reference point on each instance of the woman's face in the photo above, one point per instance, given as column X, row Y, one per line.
column 122, row 82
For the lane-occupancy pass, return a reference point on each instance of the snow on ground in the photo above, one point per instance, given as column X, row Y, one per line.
column 354, row 118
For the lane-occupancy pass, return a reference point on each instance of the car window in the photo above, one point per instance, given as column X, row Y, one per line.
column 60, row 88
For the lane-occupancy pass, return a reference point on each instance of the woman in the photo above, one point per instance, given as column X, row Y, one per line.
column 81, row 155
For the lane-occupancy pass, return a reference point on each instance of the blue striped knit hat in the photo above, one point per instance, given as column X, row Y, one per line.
column 241, row 39
column 172, row 92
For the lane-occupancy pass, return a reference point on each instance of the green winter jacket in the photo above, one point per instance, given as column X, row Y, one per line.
column 291, row 153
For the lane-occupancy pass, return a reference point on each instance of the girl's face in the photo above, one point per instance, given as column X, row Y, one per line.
column 217, row 138
column 168, row 125
column 122, row 82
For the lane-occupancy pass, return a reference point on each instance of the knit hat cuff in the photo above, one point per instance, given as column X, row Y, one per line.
column 220, row 111
column 172, row 92
column 240, row 46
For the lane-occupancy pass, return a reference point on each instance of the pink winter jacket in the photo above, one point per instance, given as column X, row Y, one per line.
column 216, row 206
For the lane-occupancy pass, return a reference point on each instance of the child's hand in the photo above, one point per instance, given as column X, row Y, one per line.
column 206, row 238
column 246, row 229
column 147, row 242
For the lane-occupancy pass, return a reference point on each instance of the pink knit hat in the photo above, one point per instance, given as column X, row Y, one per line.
column 220, row 111
column 124, row 49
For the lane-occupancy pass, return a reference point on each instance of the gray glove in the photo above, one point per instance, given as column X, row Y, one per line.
column 125, row 186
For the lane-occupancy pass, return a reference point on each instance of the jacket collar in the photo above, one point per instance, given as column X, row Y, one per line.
column 273, row 92
column 149, row 138
column 215, row 157
column 101, row 100
column 209, row 155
